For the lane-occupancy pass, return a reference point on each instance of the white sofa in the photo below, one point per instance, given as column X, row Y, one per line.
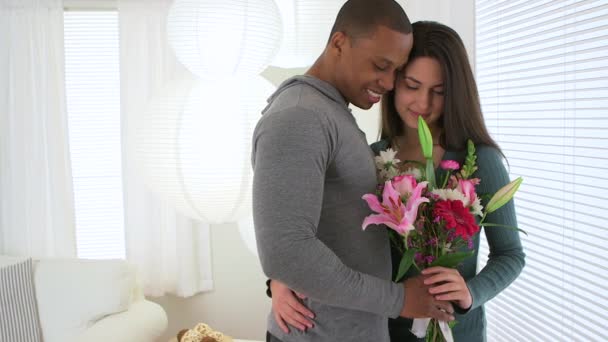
column 92, row 301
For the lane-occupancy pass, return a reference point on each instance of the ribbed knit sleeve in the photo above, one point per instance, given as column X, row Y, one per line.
column 506, row 258
column 291, row 152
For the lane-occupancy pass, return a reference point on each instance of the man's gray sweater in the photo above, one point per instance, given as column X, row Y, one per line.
column 311, row 166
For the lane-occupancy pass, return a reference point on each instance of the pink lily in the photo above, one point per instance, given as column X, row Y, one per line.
column 392, row 211
column 467, row 188
column 404, row 184
column 408, row 188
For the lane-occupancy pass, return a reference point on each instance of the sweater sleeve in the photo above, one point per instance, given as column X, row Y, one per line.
column 379, row 146
column 506, row 258
column 291, row 152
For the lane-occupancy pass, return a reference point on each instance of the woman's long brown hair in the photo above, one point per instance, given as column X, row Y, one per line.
column 462, row 118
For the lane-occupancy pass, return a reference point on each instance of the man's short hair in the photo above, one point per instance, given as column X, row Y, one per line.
column 360, row 18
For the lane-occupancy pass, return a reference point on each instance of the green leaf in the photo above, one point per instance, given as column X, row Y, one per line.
column 503, row 226
column 406, row 261
column 451, row 260
column 426, row 139
column 452, row 324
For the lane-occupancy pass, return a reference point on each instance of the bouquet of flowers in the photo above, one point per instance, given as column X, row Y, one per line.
column 433, row 225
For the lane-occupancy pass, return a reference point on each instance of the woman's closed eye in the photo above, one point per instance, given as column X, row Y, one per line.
column 380, row 67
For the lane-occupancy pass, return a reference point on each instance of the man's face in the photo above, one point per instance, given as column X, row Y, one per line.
column 366, row 66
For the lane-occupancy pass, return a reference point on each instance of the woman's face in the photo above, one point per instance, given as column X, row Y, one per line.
column 419, row 92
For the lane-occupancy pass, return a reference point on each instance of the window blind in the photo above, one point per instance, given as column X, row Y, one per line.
column 542, row 72
column 93, row 101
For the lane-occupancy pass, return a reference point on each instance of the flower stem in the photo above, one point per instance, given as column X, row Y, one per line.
column 445, row 179
column 483, row 218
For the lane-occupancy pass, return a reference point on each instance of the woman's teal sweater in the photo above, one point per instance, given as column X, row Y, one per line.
column 505, row 261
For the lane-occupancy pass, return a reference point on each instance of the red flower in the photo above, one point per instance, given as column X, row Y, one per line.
column 457, row 217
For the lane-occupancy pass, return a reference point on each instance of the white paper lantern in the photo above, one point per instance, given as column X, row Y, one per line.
column 194, row 145
column 306, row 28
column 228, row 38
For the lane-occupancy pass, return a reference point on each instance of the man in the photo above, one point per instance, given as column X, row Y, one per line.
column 312, row 165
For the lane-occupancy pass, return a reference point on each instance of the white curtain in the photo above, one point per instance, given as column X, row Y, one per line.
column 172, row 252
column 36, row 196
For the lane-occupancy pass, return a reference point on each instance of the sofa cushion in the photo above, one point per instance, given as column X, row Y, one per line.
column 6, row 260
column 145, row 321
column 75, row 293
column 18, row 309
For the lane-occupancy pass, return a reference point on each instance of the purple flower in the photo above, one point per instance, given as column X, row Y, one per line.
column 430, row 259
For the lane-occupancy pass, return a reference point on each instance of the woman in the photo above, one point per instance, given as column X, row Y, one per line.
column 438, row 84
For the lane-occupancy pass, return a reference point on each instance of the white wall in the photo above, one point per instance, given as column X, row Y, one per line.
column 457, row 14
column 238, row 305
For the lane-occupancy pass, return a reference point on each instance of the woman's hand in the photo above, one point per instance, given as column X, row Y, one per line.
column 288, row 309
column 447, row 284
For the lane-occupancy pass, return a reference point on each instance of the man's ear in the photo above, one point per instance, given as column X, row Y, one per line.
column 337, row 43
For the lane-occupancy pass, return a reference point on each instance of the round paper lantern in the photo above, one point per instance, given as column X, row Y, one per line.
column 306, row 28
column 194, row 145
column 216, row 39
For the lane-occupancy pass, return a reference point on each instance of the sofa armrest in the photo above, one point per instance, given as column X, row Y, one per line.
column 145, row 321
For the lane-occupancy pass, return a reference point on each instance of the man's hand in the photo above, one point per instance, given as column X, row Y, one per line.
column 419, row 303
column 288, row 309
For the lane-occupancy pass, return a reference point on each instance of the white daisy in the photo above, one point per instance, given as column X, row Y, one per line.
column 476, row 207
column 387, row 173
column 386, row 159
column 414, row 171
column 450, row 195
